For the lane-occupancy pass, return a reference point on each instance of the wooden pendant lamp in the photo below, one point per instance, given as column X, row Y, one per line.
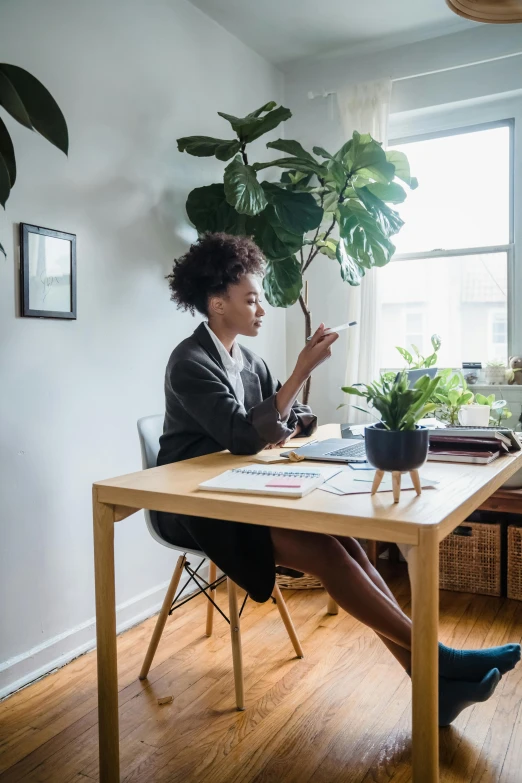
column 488, row 11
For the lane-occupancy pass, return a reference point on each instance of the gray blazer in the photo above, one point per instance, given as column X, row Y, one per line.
column 202, row 416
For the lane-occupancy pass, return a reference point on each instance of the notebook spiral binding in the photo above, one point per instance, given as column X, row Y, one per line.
column 285, row 473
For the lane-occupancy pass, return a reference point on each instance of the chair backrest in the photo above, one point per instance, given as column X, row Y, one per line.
column 149, row 430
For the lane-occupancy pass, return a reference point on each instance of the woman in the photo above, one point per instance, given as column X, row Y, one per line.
column 220, row 395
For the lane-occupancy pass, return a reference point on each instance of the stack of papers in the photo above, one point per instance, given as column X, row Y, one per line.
column 349, row 482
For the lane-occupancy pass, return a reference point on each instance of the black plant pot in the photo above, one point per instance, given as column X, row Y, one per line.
column 396, row 450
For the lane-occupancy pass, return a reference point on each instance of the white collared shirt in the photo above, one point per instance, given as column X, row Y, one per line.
column 233, row 364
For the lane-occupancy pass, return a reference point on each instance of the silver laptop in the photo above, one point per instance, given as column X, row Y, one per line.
column 348, row 449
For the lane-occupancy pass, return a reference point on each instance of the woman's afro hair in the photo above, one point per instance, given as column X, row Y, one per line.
column 213, row 263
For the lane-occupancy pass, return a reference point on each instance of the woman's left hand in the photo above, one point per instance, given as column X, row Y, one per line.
column 282, row 443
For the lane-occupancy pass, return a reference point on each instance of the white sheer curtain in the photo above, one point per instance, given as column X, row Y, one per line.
column 364, row 108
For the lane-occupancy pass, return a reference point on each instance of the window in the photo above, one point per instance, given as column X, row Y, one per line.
column 450, row 272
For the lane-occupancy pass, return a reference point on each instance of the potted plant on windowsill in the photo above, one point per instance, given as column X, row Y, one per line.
column 397, row 443
column 495, row 372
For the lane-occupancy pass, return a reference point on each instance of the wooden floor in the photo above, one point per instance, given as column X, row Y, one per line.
column 341, row 714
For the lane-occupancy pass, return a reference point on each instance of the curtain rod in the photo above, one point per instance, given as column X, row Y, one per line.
column 325, row 93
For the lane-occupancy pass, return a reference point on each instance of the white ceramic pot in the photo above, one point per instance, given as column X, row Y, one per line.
column 494, row 375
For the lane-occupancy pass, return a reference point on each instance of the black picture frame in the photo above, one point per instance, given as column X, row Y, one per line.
column 38, row 285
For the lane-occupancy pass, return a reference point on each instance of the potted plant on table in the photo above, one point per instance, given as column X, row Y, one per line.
column 397, row 443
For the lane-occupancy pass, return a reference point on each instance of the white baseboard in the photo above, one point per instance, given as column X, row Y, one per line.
column 17, row 672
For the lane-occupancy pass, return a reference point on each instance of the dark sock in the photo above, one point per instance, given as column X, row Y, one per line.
column 456, row 695
column 474, row 664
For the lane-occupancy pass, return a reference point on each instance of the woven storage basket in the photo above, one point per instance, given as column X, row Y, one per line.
column 514, row 573
column 470, row 562
column 305, row 582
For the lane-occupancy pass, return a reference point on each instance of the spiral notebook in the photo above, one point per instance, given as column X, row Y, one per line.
column 292, row 482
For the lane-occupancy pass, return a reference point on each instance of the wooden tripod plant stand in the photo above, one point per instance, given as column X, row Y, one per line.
column 396, row 482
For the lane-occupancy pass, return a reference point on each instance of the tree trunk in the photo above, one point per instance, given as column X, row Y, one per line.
column 308, row 332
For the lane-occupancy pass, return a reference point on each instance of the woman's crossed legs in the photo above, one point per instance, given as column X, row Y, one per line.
column 351, row 580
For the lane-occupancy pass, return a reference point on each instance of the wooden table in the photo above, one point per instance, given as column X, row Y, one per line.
column 422, row 521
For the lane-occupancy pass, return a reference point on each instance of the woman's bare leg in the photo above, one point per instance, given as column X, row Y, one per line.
column 347, row 582
column 354, row 549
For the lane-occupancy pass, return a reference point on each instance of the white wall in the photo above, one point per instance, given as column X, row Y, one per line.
column 131, row 76
column 456, row 98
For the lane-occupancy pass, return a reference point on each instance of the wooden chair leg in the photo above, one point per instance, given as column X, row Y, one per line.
column 235, row 635
column 162, row 617
column 332, row 607
column 210, row 606
column 285, row 616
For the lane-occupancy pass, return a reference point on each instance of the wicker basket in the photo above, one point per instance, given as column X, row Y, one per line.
column 305, row 582
column 470, row 559
column 514, row 571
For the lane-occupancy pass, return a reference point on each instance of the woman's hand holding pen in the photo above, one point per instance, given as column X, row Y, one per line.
column 316, row 351
column 313, row 354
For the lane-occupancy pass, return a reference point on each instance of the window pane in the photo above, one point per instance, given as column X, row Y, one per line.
column 463, row 299
column 463, row 195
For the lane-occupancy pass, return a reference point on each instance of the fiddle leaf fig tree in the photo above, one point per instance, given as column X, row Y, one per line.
column 32, row 105
column 334, row 205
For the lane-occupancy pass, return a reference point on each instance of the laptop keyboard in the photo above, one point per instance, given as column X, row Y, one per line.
column 355, row 451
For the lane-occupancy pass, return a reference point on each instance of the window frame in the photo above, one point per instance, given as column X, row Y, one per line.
column 509, row 248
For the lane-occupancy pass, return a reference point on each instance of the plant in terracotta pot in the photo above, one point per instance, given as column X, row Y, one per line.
column 397, row 443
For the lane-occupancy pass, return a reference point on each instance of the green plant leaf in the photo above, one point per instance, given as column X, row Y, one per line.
column 430, row 360
column 291, row 148
column 253, row 125
column 242, row 190
column 276, row 242
column 389, row 221
column 367, row 157
column 480, row 399
column 208, row 209
column 322, row 153
column 32, row 105
column 295, row 164
column 402, row 167
column 405, row 354
column 392, row 192
column 365, row 241
column 297, row 212
column 283, row 282
column 353, row 390
column 351, row 272
column 7, row 153
column 328, row 248
column 206, row 147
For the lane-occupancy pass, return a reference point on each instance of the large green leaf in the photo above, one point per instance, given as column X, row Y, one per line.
column 393, row 193
column 351, row 272
column 253, row 125
column 208, row 210
column 206, row 147
column 298, row 212
column 390, row 222
column 365, row 242
column 283, row 282
column 322, row 153
column 242, row 190
column 402, row 167
column 31, row 104
column 295, row 164
column 7, row 152
column 274, row 239
column 290, row 147
column 367, row 158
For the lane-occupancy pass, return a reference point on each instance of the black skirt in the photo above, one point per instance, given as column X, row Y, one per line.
column 243, row 552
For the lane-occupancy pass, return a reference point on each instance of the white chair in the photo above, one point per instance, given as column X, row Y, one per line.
column 149, row 429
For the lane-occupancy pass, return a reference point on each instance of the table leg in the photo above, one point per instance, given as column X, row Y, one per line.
column 424, row 575
column 108, row 731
